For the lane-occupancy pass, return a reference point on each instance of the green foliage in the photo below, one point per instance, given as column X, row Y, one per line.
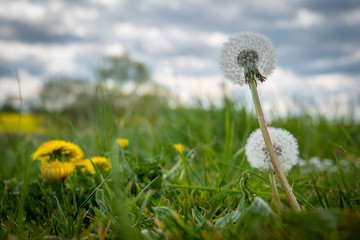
column 123, row 69
column 10, row 105
column 208, row 192
column 62, row 92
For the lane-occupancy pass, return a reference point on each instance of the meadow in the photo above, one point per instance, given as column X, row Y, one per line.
column 207, row 190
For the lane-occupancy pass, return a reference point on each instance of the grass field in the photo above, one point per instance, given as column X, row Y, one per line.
column 154, row 191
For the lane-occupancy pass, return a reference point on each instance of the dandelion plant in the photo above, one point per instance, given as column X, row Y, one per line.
column 286, row 149
column 246, row 59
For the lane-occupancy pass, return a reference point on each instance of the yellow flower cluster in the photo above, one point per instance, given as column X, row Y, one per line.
column 123, row 142
column 59, row 159
column 100, row 162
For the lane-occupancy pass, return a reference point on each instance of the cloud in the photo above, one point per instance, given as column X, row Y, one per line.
column 352, row 17
column 315, row 40
column 287, row 82
column 188, row 51
column 114, row 49
column 282, row 93
column 188, row 89
column 323, row 93
column 33, row 33
column 29, row 86
column 166, row 38
column 23, row 10
column 186, row 65
column 109, row 3
column 51, row 18
column 58, row 59
column 352, row 58
column 75, row 20
column 304, row 18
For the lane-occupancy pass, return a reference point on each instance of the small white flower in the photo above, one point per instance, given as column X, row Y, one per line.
column 285, row 146
column 244, row 51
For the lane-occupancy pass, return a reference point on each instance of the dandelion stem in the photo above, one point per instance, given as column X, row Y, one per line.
column 275, row 192
column 184, row 159
column 274, row 160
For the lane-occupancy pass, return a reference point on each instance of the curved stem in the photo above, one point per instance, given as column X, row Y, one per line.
column 275, row 192
column 274, row 160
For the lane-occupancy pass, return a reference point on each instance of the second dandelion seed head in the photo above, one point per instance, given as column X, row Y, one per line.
column 285, row 146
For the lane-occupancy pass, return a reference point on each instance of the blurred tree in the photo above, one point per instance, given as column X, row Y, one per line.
column 11, row 104
column 85, row 101
column 61, row 92
column 77, row 98
column 123, row 69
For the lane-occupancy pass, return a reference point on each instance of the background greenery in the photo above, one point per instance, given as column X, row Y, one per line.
column 208, row 192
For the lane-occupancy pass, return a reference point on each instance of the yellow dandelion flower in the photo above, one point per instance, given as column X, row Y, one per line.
column 123, row 142
column 179, row 147
column 100, row 162
column 56, row 171
column 58, row 149
column 85, row 165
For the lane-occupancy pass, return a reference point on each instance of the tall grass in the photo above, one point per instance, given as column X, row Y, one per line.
column 155, row 192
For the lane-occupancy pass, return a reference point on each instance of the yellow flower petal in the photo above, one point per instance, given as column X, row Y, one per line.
column 100, row 162
column 123, row 142
column 58, row 149
column 56, row 171
column 179, row 147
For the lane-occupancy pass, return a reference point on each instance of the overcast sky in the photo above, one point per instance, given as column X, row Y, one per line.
column 317, row 43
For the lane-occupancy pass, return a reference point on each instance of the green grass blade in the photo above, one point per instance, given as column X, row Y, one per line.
column 90, row 196
column 142, row 191
column 344, row 180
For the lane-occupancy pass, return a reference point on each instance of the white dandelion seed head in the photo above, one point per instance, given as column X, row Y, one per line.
column 243, row 49
column 285, row 146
